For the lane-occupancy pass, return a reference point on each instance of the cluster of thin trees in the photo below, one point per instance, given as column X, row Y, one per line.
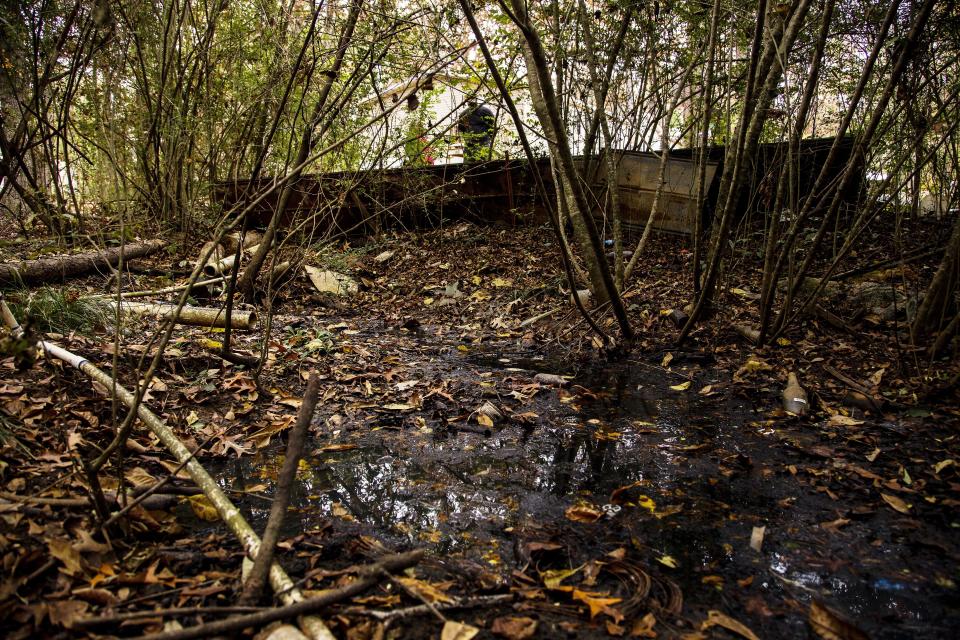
column 135, row 110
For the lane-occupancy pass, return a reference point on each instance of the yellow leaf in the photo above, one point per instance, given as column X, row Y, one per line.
column 896, row 503
column 666, row 360
column 584, row 512
column 940, row 466
column 553, row 577
column 476, row 280
column 203, row 508
column 457, row 631
column 212, row 344
column 429, row 592
column 501, row 282
column 755, row 364
column 683, row 386
column 598, row 604
column 647, row 503
column 715, row 618
column 783, row 342
column 643, row 628
column 667, row 561
column 338, row 510
column 484, row 420
column 427, row 302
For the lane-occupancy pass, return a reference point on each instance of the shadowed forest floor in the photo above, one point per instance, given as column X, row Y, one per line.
column 659, row 493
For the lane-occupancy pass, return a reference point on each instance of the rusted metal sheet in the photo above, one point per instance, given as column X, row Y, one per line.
column 637, row 177
column 360, row 202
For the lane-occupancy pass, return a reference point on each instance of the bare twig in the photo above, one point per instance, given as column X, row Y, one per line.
column 370, row 576
column 253, row 588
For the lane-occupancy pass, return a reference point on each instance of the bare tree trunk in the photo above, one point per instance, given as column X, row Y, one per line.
column 765, row 74
column 545, row 104
column 246, row 282
column 941, row 296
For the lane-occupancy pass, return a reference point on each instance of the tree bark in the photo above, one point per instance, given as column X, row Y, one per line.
column 545, row 104
column 47, row 270
column 935, row 310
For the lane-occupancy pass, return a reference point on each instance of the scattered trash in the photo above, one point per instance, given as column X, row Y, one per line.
column 794, row 397
column 331, row 281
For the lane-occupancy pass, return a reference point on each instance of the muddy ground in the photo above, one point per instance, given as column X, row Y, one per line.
column 661, row 492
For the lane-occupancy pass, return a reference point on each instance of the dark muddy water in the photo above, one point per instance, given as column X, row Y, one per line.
column 682, row 479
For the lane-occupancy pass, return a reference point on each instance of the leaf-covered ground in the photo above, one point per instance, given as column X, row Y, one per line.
column 663, row 493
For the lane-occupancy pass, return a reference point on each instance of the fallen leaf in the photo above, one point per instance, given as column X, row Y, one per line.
column 457, row 631
column 203, row 508
column 598, row 604
column 339, row 511
column 895, row 502
column 756, row 538
column 63, row 550
column 683, row 386
column 718, row 619
column 940, row 466
column 64, row 613
column 583, row 512
column 514, row 628
column 553, row 577
column 834, row 526
column 336, row 447
column 643, row 628
column 830, row 626
column 667, row 561
column 843, row 421
column 872, row 456
column 426, row 590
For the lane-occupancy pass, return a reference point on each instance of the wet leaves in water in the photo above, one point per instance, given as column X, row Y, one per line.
column 643, row 628
column 584, row 512
column 831, row 626
column 599, row 603
column 718, row 619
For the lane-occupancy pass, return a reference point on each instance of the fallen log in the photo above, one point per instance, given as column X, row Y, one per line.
column 214, row 253
column 196, row 316
column 152, row 293
column 47, row 270
column 231, row 516
column 225, row 264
